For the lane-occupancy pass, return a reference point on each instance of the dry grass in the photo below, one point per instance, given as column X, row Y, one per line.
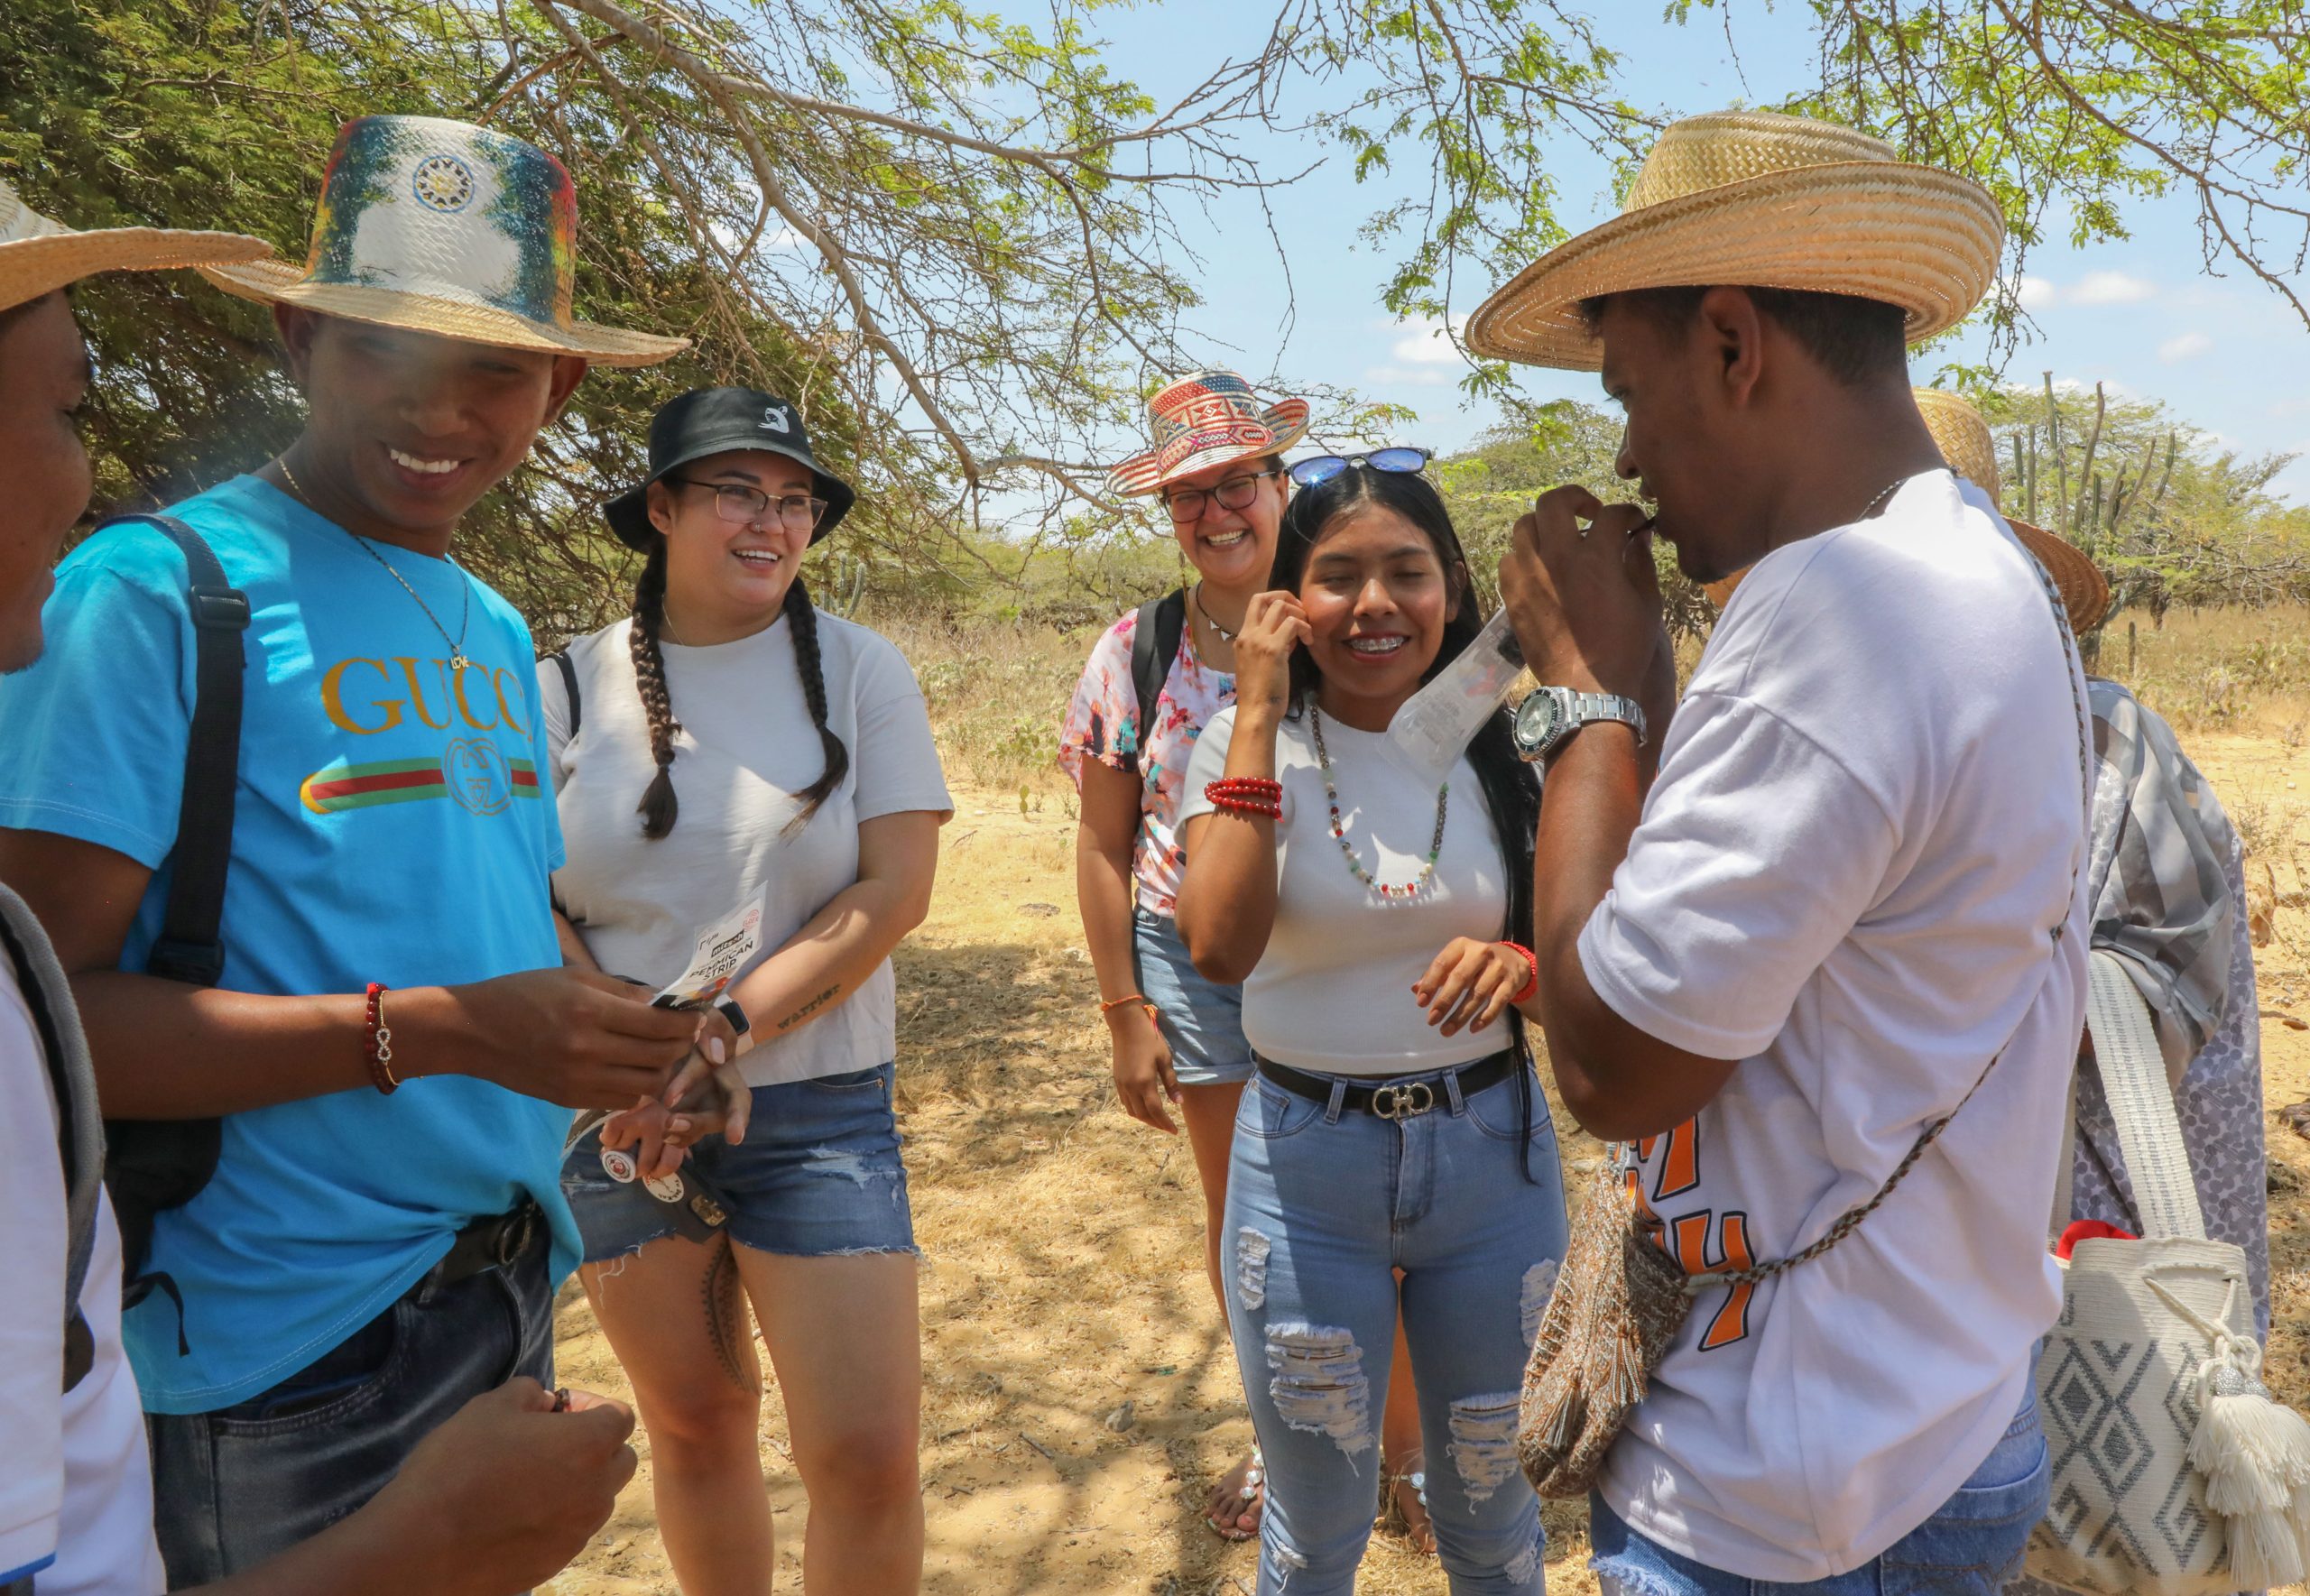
column 1063, row 1272
column 2216, row 670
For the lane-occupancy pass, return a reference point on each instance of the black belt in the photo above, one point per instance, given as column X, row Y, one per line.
column 491, row 1243
column 1402, row 1099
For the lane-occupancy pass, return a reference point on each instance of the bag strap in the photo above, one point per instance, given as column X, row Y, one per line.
column 1154, row 644
column 560, row 657
column 191, row 947
column 2142, row 1102
column 1850, row 1219
column 80, row 1133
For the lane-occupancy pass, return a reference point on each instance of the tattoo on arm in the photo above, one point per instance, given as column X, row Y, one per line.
column 726, row 1319
column 808, row 1009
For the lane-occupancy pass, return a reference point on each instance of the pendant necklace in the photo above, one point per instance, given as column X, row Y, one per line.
column 1210, row 620
column 457, row 659
column 1427, row 876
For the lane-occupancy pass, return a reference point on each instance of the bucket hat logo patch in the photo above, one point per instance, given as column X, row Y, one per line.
column 443, row 227
column 773, row 419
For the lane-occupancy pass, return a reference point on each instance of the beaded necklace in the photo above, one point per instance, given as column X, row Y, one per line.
column 1427, row 876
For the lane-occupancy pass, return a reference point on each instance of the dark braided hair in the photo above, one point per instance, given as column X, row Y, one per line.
column 803, row 616
column 1511, row 792
column 659, row 807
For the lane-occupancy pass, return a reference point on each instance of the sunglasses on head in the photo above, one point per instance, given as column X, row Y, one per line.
column 1322, row 468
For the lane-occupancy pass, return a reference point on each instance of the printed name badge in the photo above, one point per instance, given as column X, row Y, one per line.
column 618, row 1166
column 666, row 1188
column 722, row 950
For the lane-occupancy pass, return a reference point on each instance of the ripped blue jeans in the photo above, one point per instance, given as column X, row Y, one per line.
column 818, row 1175
column 1323, row 1203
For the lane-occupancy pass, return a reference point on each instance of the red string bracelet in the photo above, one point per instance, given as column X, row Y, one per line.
column 378, row 1042
column 1532, row 984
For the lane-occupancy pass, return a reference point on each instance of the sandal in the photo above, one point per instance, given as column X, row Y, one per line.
column 1406, row 1515
column 1252, row 1492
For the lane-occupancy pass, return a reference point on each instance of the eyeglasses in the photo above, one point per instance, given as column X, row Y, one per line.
column 743, row 506
column 1322, row 468
column 1234, row 494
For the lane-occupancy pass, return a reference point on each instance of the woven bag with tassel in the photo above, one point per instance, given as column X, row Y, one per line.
column 2175, row 1472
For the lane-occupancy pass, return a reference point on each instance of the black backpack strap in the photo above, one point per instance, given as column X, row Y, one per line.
column 191, row 946
column 1154, row 644
column 153, row 1164
column 560, row 657
column 80, row 1134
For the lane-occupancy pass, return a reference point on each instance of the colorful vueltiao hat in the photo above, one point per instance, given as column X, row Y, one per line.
column 443, row 227
column 1965, row 443
column 1205, row 420
column 1760, row 200
column 38, row 256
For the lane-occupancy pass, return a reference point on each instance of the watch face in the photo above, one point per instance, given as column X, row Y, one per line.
column 1539, row 722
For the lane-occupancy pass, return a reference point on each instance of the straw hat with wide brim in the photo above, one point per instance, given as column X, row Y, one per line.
column 1965, row 443
column 443, row 227
column 39, row 256
column 1760, row 200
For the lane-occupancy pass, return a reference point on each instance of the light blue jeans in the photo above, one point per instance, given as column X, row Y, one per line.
column 1323, row 1203
column 1971, row 1546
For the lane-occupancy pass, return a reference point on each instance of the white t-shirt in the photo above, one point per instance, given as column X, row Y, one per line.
column 76, row 1485
column 1866, row 829
column 1333, row 935
column 746, row 747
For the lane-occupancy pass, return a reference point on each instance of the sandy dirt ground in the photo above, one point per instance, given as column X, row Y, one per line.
column 1079, row 1390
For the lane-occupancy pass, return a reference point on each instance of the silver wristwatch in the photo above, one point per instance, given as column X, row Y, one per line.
column 1549, row 717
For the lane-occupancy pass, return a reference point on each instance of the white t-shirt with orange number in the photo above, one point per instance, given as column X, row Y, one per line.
column 1849, row 876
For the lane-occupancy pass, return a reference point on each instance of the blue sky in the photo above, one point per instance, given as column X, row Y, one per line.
column 2140, row 315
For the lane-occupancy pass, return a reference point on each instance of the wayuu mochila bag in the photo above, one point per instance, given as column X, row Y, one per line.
column 2175, row 1471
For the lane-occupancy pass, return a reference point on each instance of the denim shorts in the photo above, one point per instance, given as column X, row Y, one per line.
column 818, row 1176
column 1971, row 1546
column 1202, row 1020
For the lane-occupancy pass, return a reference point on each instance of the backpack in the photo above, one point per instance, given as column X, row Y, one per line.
column 152, row 1165
column 1154, row 644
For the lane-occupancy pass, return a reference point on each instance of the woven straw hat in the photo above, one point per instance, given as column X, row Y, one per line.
column 1965, row 443
column 444, row 227
column 1760, row 200
column 39, row 256
column 1203, row 421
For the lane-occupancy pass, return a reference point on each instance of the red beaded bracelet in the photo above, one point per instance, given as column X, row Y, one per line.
column 1532, row 984
column 1258, row 796
column 378, row 1042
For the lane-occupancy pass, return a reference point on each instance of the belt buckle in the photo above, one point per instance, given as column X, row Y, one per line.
column 1406, row 1101
column 513, row 1237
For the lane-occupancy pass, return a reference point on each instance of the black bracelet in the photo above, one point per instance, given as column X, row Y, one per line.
column 735, row 1015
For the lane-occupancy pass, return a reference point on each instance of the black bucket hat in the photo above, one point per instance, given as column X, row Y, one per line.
column 712, row 421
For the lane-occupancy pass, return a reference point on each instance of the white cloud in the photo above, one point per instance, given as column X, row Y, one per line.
column 2186, row 347
column 1434, row 375
column 2036, row 292
column 1423, row 342
column 2111, row 288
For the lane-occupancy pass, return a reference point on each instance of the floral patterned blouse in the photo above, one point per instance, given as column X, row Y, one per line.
column 1102, row 723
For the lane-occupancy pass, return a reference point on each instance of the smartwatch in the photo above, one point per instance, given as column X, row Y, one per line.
column 1547, row 720
column 730, row 1010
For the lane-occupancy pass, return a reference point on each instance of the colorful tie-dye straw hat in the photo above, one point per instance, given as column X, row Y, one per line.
column 1203, row 421
column 39, row 256
column 443, row 227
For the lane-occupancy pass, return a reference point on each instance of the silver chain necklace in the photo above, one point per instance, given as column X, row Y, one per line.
column 457, row 659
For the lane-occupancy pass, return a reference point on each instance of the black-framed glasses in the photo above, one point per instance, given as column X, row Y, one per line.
column 741, row 505
column 1237, row 493
column 1321, row 468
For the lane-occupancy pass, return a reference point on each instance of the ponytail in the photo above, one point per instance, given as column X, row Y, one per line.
column 658, row 807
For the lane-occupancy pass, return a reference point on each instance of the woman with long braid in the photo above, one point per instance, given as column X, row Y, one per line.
column 729, row 747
